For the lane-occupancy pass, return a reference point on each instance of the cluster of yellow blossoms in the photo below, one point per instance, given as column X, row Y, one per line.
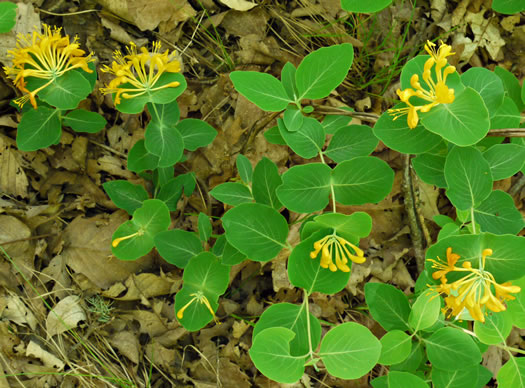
column 46, row 56
column 138, row 73
column 334, row 246
column 473, row 292
column 437, row 93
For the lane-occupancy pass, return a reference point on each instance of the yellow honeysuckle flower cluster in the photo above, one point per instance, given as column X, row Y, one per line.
column 333, row 246
column 201, row 298
column 473, row 292
column 47, row 56
column 438, row 93
column 137, row 73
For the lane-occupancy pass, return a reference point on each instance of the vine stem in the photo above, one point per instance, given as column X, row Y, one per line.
column 308, row 327
column 334, row 209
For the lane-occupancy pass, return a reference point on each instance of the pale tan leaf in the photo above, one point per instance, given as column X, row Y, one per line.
column 66, row 315
column 48, row 359
column 13, row 179
column 127, row 344
column 239, row 5
column 16, row 311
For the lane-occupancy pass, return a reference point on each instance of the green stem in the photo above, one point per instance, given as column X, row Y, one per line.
column 308, row 327
column 334, row 208
column 473, row 220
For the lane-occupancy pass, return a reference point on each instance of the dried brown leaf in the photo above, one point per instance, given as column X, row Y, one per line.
column 65, row 315
column 13, row 179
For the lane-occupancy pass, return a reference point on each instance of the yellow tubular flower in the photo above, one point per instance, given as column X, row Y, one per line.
column 138, row 72
column 474, row 291
column 437, row 93
column 201, row 298
column 46, row 56
column 333, row 246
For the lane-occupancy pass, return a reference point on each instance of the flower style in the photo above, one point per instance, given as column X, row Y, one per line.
column 138, row 73
column 473, row 292
column 437, row 93
column 201, row 298
column 46, row 56
column 331, row 245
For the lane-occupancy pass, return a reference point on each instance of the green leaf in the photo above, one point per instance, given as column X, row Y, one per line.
column 497, row 214
column 305, row 188
column 273, row 136
column 244, row 167
column 358, row 224
column 362, row 180
column 177, row 246
column 308, row 141
column 131, row 105
column 505, row 160
column 459, row 378
column 196, row 133
column 414, row 360
column 150, row 219
column 431, row 169
column 495, row 329
column 307, row 273
column 38, row 128
column 332, row 123
column 508, row 7
column 270, row 353
column 396, row 134
column 205, row 228
column 263, row 89
column 350, row 142
column 256, row 230
column 380, row 382
column 468, row 177
column 451, row 349
column 405, row 379
column 321, row 71
column 487, row 84
column 464, row 122
column 425, row 311
column 126, row 195
column 292, row 317
column 511, row 85
column 293, row 119
column 506, row 116
column 349, row 351
column 232, row 193
column 166, row 113
column 388, row 306
column 7, row 16
column 66, row 91
column 516, row 307
column 170, row 193
column 231, row 256
column 139, row 159
column 81, row 120
column 288, row 80
column 512, row 374
column 364, row 7
column 164, row 141
column 266, row 179
column 395, row 347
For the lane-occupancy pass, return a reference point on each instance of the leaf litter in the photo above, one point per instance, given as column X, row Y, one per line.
column 71, row 314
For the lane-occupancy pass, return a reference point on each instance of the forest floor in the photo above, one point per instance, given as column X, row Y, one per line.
column 56, row 222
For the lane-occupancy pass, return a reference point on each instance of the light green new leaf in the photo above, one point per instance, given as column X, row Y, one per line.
column 204, row 226
column 81, row 120
column 263, row 89
column 495, row 329
column 468, row 177
column 405, row 379
column 293, row 119
column 431, row 169
column 350, row 142
column 323, row 70
column 306, row 142
column 487, row 84
column 288, row 80
column 38, row 128
column 362, row 180
column 266, row 180
column 497, row 214
column 244, row 167
column 358, row 224
column 459, row 378
column 7, row 16
column 364, row 6
column 164, row 141
column 196, row 133
column 349, row 351
column 137, row 234
column 178, row 246
column 232, row 193
column 270, row 353
column 256, row 230
column 512, row 374
column 139, row 159
column 388, row 306
column 508, row 7
column 305, row 188
column 126, row 195
column 463, row 122
column 292, row 317
column 425, row 311
column 450, row 349
column 505, row 160
column 395, row 347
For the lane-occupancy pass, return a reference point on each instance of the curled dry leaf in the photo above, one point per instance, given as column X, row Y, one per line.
column 16, row 311
column 239, row 5
column 66, row 315
column 48, row 359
